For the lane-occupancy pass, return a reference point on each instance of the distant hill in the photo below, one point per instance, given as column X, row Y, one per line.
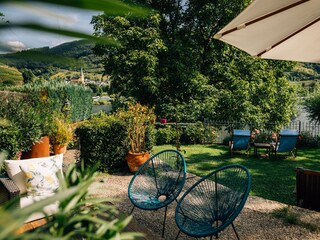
column 71, row 56
column 305, row 72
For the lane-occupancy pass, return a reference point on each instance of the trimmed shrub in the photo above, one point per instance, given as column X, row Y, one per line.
column 194, row 133
column 165, row 135
column 103, row 139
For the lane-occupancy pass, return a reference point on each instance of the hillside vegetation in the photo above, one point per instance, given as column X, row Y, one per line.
column 305, row 72
column 10, row 76
column 64, row 59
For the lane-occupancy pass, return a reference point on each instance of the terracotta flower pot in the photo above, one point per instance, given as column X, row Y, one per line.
column 39, row 149
column 58, row 149
column 135, row 160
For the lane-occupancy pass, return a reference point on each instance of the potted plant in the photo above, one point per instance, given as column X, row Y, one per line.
column 137, row 119
column 61, row 134
column 21, row 122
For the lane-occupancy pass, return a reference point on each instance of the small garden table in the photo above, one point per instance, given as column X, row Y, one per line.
column 266, row 146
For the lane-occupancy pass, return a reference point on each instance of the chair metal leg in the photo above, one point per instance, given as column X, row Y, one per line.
column 164, row 221
column 132, row 210
column 178, row 235
column 234, row 229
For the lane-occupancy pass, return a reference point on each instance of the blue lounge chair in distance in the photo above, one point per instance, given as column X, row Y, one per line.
column 240, row 140
column 287, row 142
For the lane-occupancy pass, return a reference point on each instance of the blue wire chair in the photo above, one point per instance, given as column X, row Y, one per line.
column 213, row 202
column 287, row 142
column 158, row 182
column 240, row 140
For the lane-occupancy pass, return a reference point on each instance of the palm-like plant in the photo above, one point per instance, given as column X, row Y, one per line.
column 110, row 7
column 79, row 216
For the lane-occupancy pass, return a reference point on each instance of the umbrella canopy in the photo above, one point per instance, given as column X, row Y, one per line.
column 277, row 29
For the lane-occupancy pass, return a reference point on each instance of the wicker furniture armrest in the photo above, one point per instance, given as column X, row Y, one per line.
column 8, row 189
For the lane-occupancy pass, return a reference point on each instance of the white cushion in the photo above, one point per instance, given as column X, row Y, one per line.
column 40, row 180
column 49, row 209
column 17, row 176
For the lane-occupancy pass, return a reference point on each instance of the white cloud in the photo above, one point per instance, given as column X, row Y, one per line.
column 16, row 46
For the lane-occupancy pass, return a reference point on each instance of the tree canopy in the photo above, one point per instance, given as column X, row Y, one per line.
column 171, row 61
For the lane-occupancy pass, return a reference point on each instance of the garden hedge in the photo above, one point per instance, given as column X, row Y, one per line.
column 103, row 139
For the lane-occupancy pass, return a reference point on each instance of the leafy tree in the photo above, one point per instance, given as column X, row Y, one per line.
column 312, row 106
column 192, row 75
column 133, row 66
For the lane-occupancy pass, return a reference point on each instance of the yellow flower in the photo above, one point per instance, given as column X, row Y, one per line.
column 31, row 167
column 49, row 179
column 29, row 175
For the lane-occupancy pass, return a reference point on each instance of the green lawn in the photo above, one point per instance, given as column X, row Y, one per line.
column 272, row 179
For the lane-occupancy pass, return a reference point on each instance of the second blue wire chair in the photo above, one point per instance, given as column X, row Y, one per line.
column 158, row 182
column 213, row 202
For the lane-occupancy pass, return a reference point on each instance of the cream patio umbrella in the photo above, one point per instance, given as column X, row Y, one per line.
column 277, row 29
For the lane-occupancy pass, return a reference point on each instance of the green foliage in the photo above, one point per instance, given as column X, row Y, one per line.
column 103, row 139
column 150, row 137
column 61, row 131
column 111, row 7
column 137, row 119
column 9, row 138
column 194, row 133
column 79, row 216
column 9, row 76
column 133, row 65
column 27, row 76
column 21, row 123
column 187, row 69
column 312, row 106
column 165, row 135
column 309, row 140
column 96, row 89
column 53, row 95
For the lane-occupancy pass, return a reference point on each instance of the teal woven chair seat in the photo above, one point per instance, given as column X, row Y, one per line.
column 213, row 202
column 158, row 182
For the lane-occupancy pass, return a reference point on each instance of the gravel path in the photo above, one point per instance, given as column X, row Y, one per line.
column 254, row 222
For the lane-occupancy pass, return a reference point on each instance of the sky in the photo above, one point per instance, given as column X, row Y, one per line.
column 55, row 16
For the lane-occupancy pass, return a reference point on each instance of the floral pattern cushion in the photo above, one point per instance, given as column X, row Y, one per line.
column 41, row 180
column 13, row 168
